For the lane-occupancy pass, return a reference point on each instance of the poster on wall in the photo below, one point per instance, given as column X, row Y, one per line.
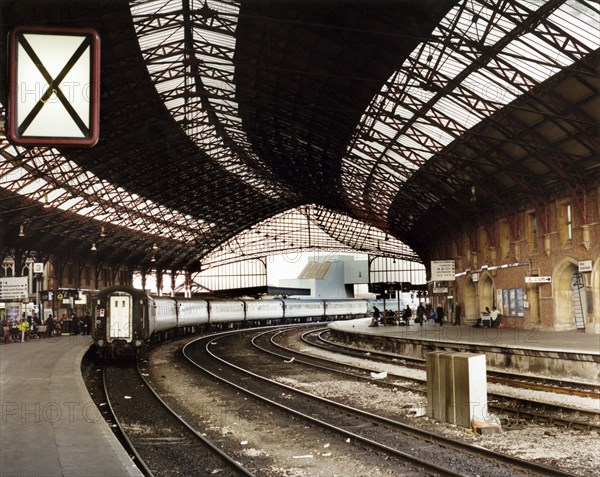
column 513, row 301
column 13, row 312
column 520, row 302
column 500, row 300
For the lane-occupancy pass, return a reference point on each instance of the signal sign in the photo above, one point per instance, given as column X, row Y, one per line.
column 54, row 81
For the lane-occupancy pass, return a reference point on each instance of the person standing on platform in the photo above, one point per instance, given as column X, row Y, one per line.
column 87, row 324
column 439, row 315
column 49, row 326
column 406, row 315
column 457, row 314
column 420, row 314
column 24, row 328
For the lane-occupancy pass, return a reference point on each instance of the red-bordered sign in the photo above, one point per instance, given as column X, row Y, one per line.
column 54, row 86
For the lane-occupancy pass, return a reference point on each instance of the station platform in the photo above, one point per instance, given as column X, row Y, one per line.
column 50, row 425
column 571, row 355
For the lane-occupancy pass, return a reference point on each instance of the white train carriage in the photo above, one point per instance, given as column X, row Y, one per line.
column 162, row 314
column 226, row 311
column 264, row 309
column 303, row 308
column 344, row 308
column 192, row 312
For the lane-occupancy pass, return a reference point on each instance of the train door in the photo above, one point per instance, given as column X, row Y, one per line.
column 120, row 315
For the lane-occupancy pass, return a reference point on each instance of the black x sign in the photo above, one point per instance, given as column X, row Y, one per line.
column 46, row 132
column 54, row 86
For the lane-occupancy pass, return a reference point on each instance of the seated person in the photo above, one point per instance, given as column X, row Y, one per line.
column 486, row 318
column 495, row 317
column 390, row 317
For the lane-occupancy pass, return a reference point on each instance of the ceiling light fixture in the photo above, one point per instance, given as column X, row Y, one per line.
column 102, row 231
column 93, row 249
column 46, row 202
column 21, row 231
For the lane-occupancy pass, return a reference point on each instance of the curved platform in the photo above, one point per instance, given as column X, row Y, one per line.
column 559, row 354
column 50, row 425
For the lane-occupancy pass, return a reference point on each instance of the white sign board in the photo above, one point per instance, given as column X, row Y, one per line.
column 442, row 270
column 585, row 266
column 440, row 290
column 54, row 79
column 538, row 279
column 38, row 267
column 13, row 288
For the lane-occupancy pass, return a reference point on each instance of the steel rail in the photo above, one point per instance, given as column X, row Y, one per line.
column 425, row 435
column 122, row 434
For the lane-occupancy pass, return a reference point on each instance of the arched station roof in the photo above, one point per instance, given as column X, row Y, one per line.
column 349, row 124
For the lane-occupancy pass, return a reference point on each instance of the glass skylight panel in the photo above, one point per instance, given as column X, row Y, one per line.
column 437, row 133
column 409, row 142
column 216, row 38
column 214, row 48
column 451, row 108
column 87, row 210
column 384, row 129
column 399, row 161
column 396, row 172
column 31, row 187
column 13, row 175
column 579, row 21
column 70, row 203
column 353, row 163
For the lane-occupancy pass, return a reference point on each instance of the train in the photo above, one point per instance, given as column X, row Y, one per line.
column 128, row 320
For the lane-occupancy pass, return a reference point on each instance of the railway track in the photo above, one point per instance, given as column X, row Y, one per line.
column 230, row 357
column 163, row 443
column 520, row 410
column 559, row 386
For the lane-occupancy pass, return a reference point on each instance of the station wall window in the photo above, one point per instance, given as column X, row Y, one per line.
column 6, row 270
column 565, row 223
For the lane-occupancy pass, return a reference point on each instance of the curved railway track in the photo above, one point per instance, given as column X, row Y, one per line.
column 559, row 386
column 164, row 443
column 519, row 409
column 231, row 359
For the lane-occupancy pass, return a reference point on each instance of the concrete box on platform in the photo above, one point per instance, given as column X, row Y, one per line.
column 456, row 387
column 471, row 388
column 439, row 383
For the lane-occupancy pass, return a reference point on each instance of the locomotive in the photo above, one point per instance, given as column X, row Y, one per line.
column 128, row 320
